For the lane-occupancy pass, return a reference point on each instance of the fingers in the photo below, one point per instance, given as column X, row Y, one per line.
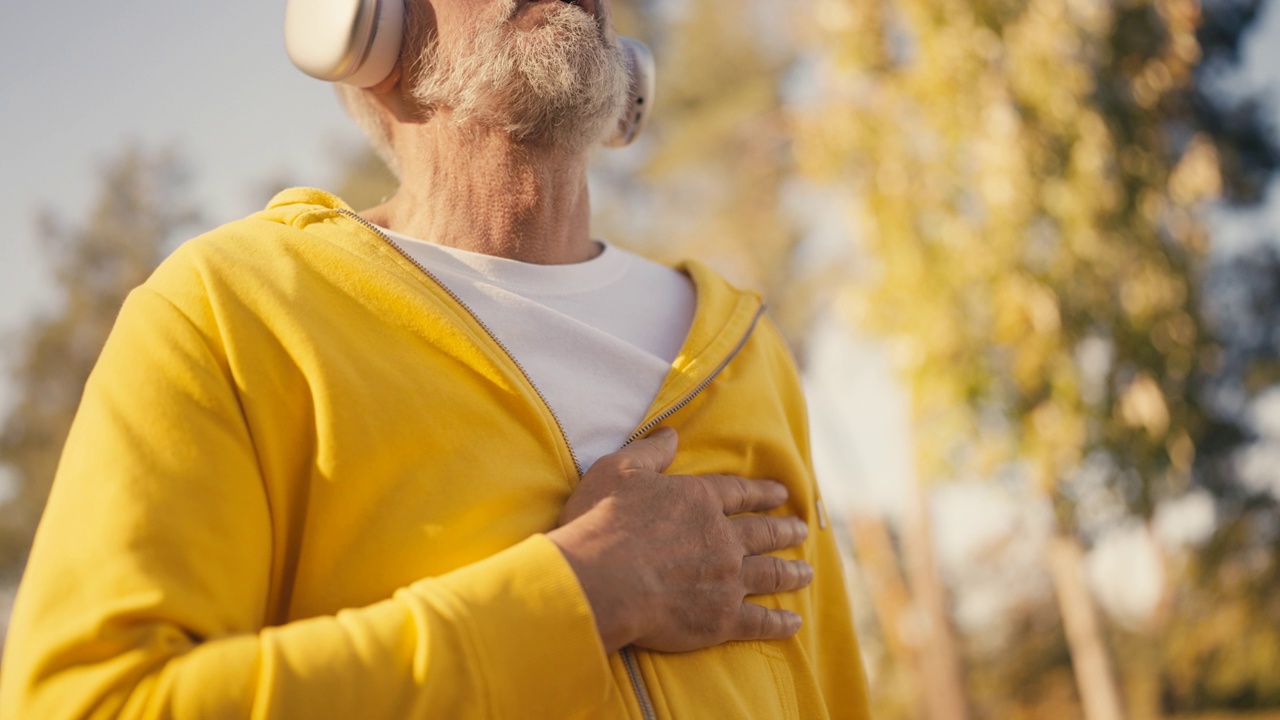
column 654, row 453
column 739, row 495
column 762, row 534
column 767, row 574
column 756, row 622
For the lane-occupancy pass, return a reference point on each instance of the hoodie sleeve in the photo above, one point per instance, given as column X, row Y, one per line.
column 147, row 588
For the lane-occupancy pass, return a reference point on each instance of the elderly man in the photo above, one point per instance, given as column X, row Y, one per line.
column 330, row 464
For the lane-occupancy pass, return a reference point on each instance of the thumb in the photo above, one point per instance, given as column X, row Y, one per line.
column 654, row 452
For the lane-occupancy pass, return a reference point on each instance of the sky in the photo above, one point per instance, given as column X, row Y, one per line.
column 82, row 80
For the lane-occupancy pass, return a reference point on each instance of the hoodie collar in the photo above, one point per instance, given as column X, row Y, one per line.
column 724, row 317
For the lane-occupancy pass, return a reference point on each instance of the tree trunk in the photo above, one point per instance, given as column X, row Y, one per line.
column 888, row 588
column 939, row 659
column 1140, row 676
column 1095, row 679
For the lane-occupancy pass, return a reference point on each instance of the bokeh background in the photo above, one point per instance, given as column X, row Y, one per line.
column 1025, row 252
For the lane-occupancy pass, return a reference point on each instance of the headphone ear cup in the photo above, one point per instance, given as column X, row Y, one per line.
column 349, row 41
column 639, row 105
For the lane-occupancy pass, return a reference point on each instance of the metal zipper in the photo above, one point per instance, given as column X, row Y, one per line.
column 637, row 683
column 629, row 660
column 559, row 426
column 701, row 386
column 628, row 653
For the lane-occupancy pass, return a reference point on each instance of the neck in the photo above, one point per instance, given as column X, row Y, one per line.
column 481, row 191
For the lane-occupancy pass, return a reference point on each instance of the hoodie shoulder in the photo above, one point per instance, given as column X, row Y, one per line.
column 258, row 254
column 296, row 204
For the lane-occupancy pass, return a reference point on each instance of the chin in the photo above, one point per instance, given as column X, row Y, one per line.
column 563, row 83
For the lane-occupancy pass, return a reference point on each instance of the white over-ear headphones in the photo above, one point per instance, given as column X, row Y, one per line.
column 358, row 42
column 640, row 97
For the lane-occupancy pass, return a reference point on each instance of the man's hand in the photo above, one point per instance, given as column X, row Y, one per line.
column 666, row 561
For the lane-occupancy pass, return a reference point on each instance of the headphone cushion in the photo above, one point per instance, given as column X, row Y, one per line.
column 350, row 41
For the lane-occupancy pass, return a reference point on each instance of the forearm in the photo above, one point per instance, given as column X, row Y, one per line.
column 510, row 636
column 611, row 588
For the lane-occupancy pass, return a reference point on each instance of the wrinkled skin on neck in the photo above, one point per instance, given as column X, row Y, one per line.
column 491, row 123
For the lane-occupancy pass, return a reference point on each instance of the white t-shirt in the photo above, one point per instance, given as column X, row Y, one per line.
column 596, row 338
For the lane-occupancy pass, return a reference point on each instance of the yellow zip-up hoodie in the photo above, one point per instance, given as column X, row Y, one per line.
column 304, row 482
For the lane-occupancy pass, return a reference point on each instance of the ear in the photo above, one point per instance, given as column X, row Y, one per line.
column 391, row 96
column 390, row 83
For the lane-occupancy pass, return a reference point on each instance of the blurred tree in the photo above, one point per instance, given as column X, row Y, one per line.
column 912, row 650
column 364, row 180
column 1225, row 653
column 141, row 205
column 1029, row 678
column 1226, row 650
column 1029, row 176
column 713, row 170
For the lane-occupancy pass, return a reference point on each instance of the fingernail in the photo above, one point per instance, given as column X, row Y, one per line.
column 802, row 528
column 793, row 620
column 807, row 571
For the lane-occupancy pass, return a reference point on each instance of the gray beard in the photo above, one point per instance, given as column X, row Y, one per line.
column 563, row 84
